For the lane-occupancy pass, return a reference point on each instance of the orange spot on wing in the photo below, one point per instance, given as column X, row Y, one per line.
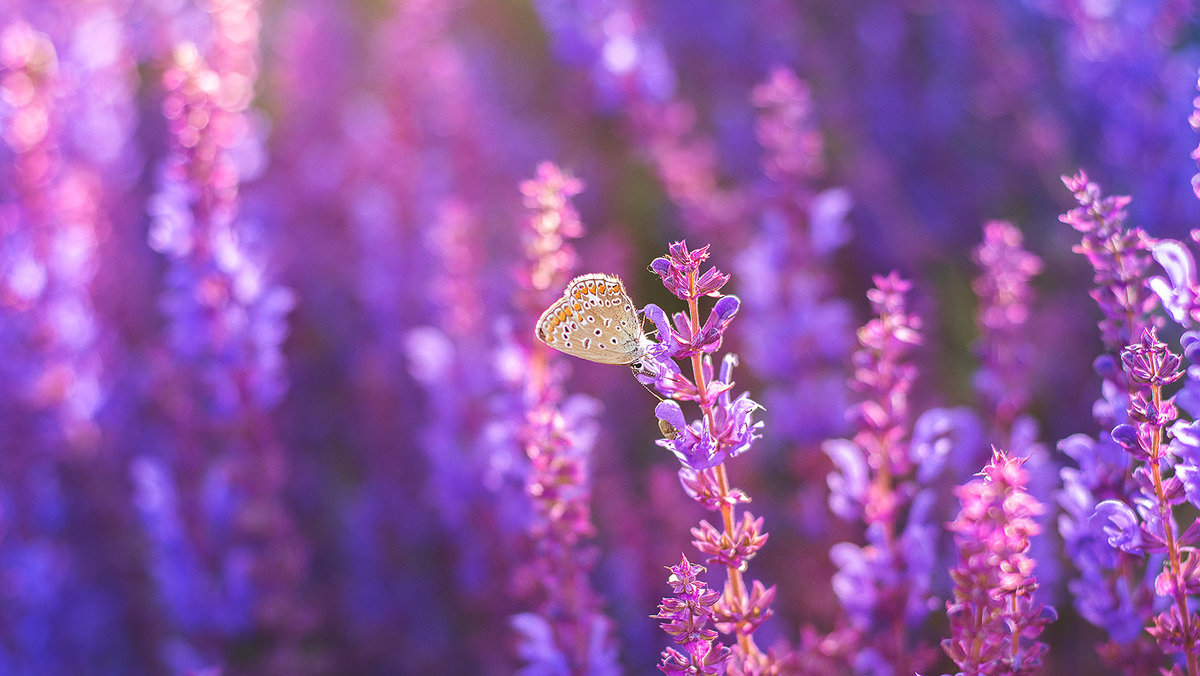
column 578, row 307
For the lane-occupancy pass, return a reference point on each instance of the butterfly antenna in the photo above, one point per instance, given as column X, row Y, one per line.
column 636, row 371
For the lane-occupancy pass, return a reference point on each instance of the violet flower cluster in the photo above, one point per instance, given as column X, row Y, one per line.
column 785, row 271
column 1005, row 300
column 226, row 322
column 1007, row 353
column 725, row 430
column 1145, row 524
column 270, row 402
column 1104, row 593
column 882, row 479
column 567, row 632
column 995, row 619
column 53, row 381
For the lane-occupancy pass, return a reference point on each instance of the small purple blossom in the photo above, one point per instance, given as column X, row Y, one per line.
column 680, row 272
column 678, row 341
column 1178, row 291
column 1121, row 526
column 1150, row 362
column 734, row 548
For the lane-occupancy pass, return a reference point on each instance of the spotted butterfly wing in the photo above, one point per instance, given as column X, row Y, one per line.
column 594, row 320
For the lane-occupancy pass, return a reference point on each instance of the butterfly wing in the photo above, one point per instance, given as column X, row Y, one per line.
column 594, row 320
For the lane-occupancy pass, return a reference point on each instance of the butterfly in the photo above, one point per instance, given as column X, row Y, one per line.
column 595, row 320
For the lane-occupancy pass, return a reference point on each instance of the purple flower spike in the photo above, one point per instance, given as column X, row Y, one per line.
column 1120, row 258
column 685, row 617
column 552, row 220
column 884, row 584
column 994, row 619
column 1005, row 297
column 566, row 629
column 725, row 429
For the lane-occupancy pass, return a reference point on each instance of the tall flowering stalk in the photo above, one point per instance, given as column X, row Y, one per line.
column 1005, row 298
column 884, row 585
column 1149, row 525
column 995, row 620
column 1006, row 372
column 1110, row 591
column 803, row 334
column 725, row 430
column 52, row 380
column 567, row 632
column 226, row 554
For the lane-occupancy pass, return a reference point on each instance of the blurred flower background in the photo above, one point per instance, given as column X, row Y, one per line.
column 271, row 400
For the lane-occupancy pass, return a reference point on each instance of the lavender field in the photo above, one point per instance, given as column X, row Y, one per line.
column 885, row 361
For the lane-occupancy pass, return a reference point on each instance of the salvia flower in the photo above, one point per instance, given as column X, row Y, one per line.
column 680, row 341
column 1149, row 362
column 995, row 620
column 1145, row 524
column 1178, row 291
column 1004, row 294
column 567, row 629
column 725, row 430
column 882, row 479
column 884, row 377
column 226, row 323
column 1104, row 592
column 1119, row 256
column 785, row 128
column 552, row 220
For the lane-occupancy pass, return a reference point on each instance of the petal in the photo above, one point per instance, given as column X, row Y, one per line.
column 1120, row 525
column 670, row 412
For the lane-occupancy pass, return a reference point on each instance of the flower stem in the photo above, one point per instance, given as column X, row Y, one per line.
column 736, row 584
column 1164, row 515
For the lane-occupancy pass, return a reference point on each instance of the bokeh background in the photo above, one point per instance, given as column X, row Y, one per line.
column 265, row 305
